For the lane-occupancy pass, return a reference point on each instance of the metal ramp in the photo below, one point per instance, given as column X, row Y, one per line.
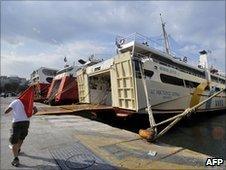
column 71, row 109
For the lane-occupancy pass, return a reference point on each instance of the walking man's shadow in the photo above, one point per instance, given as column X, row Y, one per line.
column 50, row 167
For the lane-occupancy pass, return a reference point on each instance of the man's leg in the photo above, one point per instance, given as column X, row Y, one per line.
column 20, row 142
column 14, row 139
column 15, row 149
column 19, row 134
column 23, row 134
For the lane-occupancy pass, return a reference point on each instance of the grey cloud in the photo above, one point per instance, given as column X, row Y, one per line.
column 58, row 23
column 68, row 20
column 82, row 20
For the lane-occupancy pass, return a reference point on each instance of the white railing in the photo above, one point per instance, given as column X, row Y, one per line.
column 139, row 38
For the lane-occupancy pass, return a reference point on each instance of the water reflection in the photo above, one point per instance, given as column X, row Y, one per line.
column 205, row 133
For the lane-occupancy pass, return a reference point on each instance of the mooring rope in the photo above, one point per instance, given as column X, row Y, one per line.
column 177, row 118
column 150, row 113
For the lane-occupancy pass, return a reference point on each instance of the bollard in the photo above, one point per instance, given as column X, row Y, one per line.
column 147, row 134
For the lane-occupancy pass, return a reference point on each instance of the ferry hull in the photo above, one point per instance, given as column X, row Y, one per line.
column 41, row 90
column 167, row 98
column 63, row 91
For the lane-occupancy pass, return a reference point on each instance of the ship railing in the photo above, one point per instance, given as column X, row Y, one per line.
column 139, row 38
column 101, row 56
column 97, row 56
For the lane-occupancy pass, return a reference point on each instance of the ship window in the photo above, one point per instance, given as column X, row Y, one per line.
column 148, row 73
column 191, row 84
column 49, row 79
column 49, row 72
column 222, row 81
column 163, row 63
column 213, row 78
column 171, row 80
column 97, row 68
column 137, row 68
column 217, row 89
column 136, row 65
column 65, row 70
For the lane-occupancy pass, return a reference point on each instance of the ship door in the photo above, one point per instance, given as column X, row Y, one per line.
column 83, row 90
column 122, row 82
column 100, row 88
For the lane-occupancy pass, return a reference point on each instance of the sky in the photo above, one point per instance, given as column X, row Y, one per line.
column 42, row 33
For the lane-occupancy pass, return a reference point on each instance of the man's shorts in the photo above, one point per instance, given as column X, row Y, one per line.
column 19, row 131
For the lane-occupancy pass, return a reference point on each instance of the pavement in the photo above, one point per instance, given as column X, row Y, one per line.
column 77, row 142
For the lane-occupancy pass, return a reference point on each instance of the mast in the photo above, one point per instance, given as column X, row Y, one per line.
column 166, row 41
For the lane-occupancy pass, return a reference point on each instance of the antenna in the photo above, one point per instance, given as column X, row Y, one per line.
column 65, row 61
column 166, row 41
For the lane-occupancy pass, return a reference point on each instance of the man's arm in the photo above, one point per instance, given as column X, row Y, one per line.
column 9, row 109
column 35, row 110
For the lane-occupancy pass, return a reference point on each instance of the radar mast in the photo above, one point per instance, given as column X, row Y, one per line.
column 166, row 40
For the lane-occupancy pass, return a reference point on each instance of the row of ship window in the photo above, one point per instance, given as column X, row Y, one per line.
column 218, row 80
column 165, row 78
column 198, row 73
column 201, row 75
column 172, row 80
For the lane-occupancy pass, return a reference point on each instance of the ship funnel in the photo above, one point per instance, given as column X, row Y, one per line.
column 203, row 63
column 203, row 59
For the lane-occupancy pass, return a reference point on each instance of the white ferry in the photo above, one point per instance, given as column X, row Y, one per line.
column 41, row 79
column 172, row 84
column 42, row 75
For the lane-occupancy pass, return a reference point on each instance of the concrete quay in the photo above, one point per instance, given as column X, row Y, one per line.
column 77, row 142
